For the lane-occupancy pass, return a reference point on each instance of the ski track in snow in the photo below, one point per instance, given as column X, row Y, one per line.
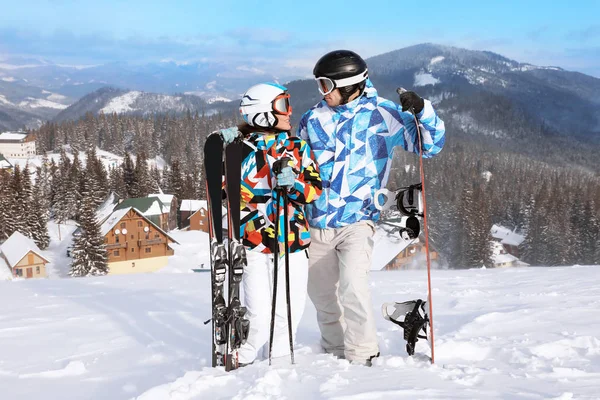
column 521, row 333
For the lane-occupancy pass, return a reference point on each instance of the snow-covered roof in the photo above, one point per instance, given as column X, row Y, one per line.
column 12, row 136
column 106, row 208
column 17, row 246
column 4, row 163
column 193, row 205
column 506, row 236
column 117, row 215
column 164, row 198
column 148, row 206
column 387, row 245
column 113, row 219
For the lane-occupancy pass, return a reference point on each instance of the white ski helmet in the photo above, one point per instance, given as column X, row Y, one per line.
column 262, row 103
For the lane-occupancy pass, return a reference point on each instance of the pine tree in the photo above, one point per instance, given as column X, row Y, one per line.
column 18, row 221
column 39, row 213
column 6, row 218
column 29, row 214
column 89, row 250
column 142, row 175
column 117, row 184
column 129, row 176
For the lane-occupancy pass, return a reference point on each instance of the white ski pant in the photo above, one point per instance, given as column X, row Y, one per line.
column 338, row 286
column 257, row 287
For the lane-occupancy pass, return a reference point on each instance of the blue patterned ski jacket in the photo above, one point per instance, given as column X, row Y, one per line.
column 353, row 144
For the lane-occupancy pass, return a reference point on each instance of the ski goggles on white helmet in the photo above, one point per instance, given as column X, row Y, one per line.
column 328, row 85
column 279, row 105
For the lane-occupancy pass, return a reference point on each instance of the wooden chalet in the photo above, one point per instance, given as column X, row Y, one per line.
column 134, row 242
column 23, row 257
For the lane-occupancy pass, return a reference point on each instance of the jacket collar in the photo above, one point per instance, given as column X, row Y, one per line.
column 368, row 95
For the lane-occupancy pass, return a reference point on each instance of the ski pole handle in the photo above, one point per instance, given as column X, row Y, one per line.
column 282, row 162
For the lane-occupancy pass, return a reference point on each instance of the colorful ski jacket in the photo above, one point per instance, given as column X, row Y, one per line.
column 354, row 145
column 258, row 194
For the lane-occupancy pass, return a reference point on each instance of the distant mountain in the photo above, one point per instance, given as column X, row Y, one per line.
column 23, row 105
column 483, row 93
column 110, row 100
column 207, row 79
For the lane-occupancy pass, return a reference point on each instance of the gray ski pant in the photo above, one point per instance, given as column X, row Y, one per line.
column 338, row 286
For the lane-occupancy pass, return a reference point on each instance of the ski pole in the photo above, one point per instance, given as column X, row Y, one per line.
column 275, row 267
column 426, row 230
column 277, row 167
column 287, row 272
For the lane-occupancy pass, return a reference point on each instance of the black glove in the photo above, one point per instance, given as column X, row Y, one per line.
column 411, row 100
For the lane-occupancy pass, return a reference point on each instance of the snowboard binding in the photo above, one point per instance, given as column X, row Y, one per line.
column 415, row 320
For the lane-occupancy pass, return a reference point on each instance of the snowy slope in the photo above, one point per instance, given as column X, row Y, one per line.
column 529, row 333
column 108, row 159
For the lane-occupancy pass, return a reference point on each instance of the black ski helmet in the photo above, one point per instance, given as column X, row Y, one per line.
column 342, row 64
column 339, row 64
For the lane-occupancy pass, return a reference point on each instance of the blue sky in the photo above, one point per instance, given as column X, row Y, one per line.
column 284, row 33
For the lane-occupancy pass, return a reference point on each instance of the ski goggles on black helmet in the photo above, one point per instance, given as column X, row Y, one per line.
column 328, row 85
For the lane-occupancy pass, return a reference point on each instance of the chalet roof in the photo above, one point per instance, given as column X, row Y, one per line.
column 166, row 199
column 107, row 207
column 11, row 136
column 193, row 205
column 4, row 163
column 118, row 215
column 18, row 246
column 148, row 206
column 506, row 236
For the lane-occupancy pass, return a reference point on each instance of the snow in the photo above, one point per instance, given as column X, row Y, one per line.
column 5, row 271
column 217, row 98
column 108, row 159
column 506, row 236
column 156, row 208
column 164, row 198
column 17, row 246
column 113, row 219
column 4, row 100
column 121, row 104
column 12, row 136
column 56, row 97
column 436, row 60
column 5, row 164
column 424, row 79
column 515, row 333
column 106, row 208
column 41, row 103
column 193, row 205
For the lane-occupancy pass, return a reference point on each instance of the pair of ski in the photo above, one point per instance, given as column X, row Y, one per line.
column 229, row 324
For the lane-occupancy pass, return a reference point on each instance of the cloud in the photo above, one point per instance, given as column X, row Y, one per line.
column 103, row 47
column 584, row 34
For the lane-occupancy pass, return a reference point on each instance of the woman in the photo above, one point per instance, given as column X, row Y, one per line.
column 267, row 143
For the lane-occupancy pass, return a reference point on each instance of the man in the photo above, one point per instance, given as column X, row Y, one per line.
column 352, row 132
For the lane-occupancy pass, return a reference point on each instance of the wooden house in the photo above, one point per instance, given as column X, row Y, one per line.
column 23, row 257
column 134, row 242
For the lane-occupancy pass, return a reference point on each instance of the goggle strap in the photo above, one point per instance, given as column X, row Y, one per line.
column 256, row 108
column 351, row 80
